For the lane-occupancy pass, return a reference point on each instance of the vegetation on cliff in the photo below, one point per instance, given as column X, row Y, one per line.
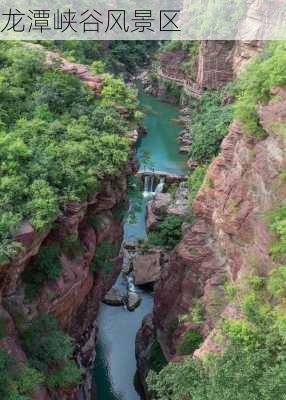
column 251, row 364
column 57, row 140
column 209, row 125
column 256, row 83
column 50, row 352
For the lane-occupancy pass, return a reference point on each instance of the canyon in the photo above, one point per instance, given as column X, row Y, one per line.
column 225, row 235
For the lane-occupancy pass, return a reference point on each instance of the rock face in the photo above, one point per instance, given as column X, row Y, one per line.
column 79, row 70
column 176, row 204
column 171, row 64
column 147, row 267
column 230, row 236
column 215, row 64
column 144, row 340
column 74, row 298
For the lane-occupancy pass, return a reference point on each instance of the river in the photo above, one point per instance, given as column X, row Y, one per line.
column 115, row 365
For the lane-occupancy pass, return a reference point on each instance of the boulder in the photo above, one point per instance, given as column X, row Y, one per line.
column 113, row 298
column 185, row 149
column 147, row 267
column 133, row 300
column 127, row 265
column 156, row 208
column 180, row 204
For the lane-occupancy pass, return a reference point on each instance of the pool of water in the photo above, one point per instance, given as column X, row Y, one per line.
column 161, row 141
column 115, row 365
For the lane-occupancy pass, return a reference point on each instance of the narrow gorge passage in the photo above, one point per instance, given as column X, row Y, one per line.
column 115, row 365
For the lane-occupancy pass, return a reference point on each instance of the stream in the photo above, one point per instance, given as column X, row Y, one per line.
column 115, row 365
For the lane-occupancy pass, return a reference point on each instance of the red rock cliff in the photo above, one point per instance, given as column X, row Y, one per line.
column 231, row 234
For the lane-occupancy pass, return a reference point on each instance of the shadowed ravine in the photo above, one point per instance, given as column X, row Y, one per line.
column 115, row 365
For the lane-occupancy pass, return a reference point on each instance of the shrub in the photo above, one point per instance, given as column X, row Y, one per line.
column 236, row 374
column 17, row 382
column 190, row 343
column 157, row 359
column 50, row 351
column 276, row 284
column 72, row 246
column 168, row 233
column 278, row 226
column 46, row 345
column 104, row 257
column 195, row 182
column 64, row 378
column 241, row 332
column 198, row 312
column 209, row 126
column 44, row 267
column 265, row 72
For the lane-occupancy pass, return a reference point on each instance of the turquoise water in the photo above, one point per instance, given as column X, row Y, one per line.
column 161, row 138
column 115, row 365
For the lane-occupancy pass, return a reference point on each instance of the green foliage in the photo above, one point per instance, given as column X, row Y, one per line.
column 8, row 250
column 189, row 67
column 72, row 246
column 118, row 53
column 276, row 283
column 16, row 382
column 130, row 53
column 278, row 226
column 157, row 359
column 69, row 375
column 198, row 312
column 265, row 72
column 172, row 89
column 84, row 52
column 57, row 140
column 114, row 92
column 50, row 351
column 237, row 374
column 252, row 365
column 168, row 233
column 44, row 267
column 195, row 181
column 134, row 188
column 191, row 341
column 209, row 125
column 104, row 257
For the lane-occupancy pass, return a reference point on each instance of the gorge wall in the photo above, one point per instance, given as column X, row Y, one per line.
column 75, row 295
column 74, row 298
column 229, row 238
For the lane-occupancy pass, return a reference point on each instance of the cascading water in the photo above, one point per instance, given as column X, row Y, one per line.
column 149, row 185
column 160, row 186
column 146, row 184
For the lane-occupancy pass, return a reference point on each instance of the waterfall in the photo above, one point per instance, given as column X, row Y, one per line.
column 160, row 186
column 130, row 284
column 152, row 184
column 148, row 185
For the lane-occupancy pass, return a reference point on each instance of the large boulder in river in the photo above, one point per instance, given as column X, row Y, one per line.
column 157, row 208
column 147, row 267
column 113, row 298
column 180, row 205
column 133, row 300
